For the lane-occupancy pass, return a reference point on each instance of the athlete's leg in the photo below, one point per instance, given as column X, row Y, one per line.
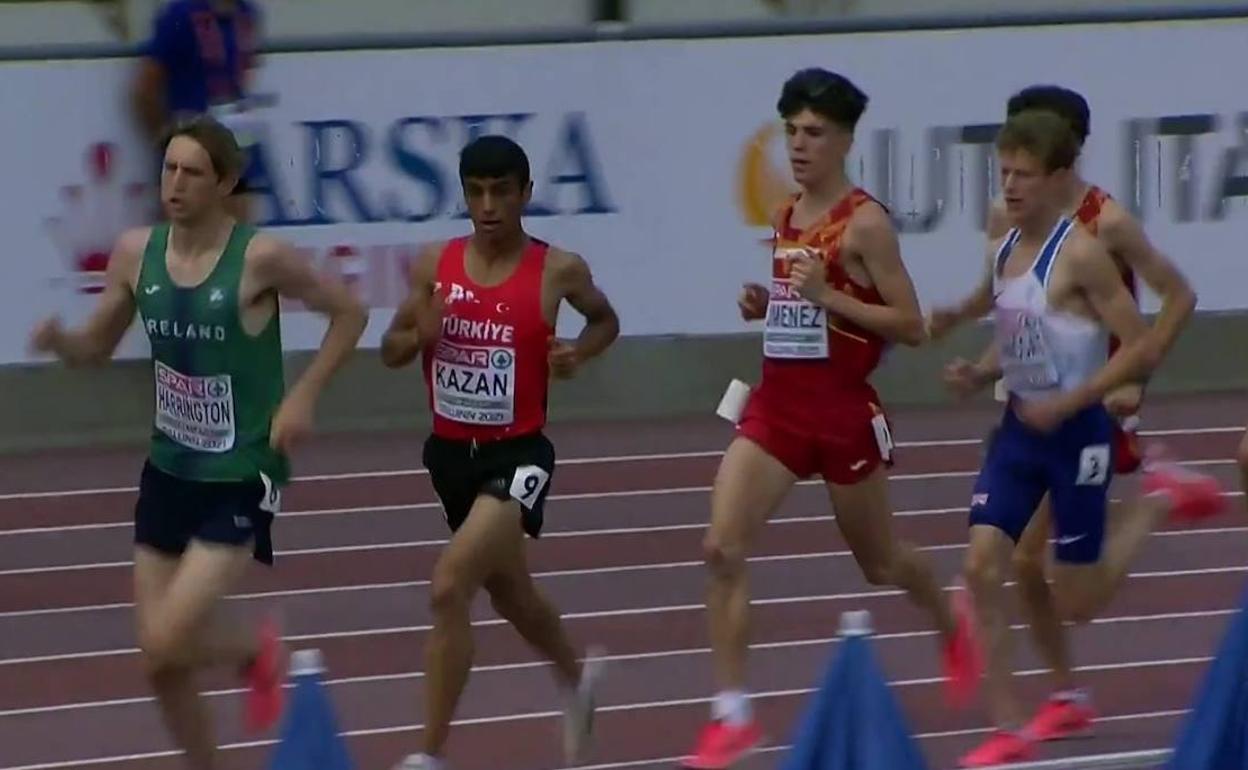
column 1036, row 598
column 1006, row 494
column 1068, row 710
column 987, row 557
column 1084, row 581
column 178, row 633
column 853, row 457
column 865, row 518
column 477, row 549
column 1089, row 567
column 177, row 695
column 749, row 487
column 183, row 624
column 516, row 599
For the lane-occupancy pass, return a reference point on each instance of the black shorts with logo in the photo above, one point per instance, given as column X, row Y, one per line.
column 517, row 468
column 171, row 512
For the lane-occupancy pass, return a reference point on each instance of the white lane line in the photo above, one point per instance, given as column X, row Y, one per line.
column 601, row 460
column 686, row 652
column 585, row 615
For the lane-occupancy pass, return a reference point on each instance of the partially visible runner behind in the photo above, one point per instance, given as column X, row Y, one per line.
column 839, row 296
column 206, row 289
column 483, row 310
column 1069, row 709
column 1057, row 296
column 201, row 58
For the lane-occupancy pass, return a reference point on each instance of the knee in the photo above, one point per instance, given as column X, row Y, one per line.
column 724, row 557
column 982, row 569
column 157, row 646
column 895, row 566
column 449, row 594
column 1028, row 567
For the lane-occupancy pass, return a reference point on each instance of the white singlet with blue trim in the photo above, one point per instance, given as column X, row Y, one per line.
column 1043, row 350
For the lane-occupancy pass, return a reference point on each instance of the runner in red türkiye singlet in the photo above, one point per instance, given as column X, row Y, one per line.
column 811, row 362
column 487, row 375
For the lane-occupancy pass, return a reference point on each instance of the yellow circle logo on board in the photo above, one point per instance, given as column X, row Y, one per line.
column 762, row 183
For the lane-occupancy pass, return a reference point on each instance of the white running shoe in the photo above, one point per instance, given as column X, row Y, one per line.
column 420, row 762
column 578, row 712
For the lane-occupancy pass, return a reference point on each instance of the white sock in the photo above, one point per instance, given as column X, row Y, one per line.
column 431, row 762
column 733, row 707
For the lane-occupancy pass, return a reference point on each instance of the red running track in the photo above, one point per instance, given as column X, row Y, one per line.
column 620, row 556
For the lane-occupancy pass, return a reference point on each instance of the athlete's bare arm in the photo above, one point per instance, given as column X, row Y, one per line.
column 965, row 377
column 418, row 319
column 871, row 238
column 93, row 343
column 276, row 266
column 574, row 282
column 1125, row 237
column 978, row 303
column 975, row 305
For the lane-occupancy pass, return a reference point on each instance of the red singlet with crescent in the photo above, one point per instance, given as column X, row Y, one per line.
column 487, row 375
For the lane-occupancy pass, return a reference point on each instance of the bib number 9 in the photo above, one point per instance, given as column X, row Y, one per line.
column 527, row 484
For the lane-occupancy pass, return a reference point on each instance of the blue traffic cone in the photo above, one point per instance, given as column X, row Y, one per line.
column 1215, row 734
column 852, row 722
column 309, row 738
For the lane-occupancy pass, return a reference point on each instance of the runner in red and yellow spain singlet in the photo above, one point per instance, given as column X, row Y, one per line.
column 1068, row 710
column 839, row 295
column 482, row 312
column 1125, row 404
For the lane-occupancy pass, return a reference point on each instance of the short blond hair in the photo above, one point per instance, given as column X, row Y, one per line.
column 1042, row 134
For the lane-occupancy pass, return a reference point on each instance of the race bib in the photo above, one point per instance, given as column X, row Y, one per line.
column 795, row 327
column 527, row 484
column 1026, row 360
column 196, row 412
column 474, row 385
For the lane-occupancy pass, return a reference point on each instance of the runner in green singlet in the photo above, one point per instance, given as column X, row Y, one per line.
column 206, row 290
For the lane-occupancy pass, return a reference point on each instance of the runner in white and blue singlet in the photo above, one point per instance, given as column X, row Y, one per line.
column 1057, row 297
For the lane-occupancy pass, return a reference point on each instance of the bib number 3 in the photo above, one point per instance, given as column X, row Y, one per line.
column 527, row 484
column 1093, row 466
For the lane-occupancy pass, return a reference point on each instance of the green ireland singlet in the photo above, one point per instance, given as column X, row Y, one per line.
column 217, row 387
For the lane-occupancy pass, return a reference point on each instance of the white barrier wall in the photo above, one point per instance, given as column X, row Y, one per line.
column 685, row 11
column 656, row 160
